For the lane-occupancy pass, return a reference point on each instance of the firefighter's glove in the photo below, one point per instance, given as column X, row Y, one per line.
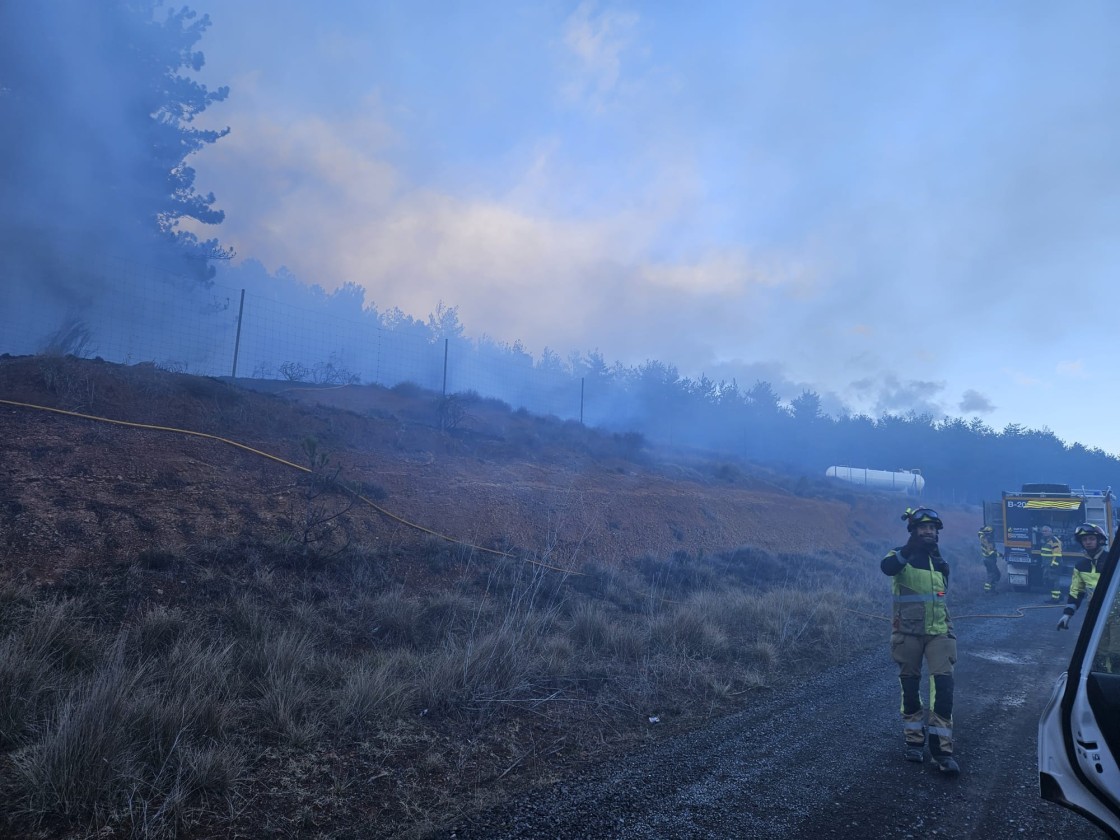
column 1063, row 622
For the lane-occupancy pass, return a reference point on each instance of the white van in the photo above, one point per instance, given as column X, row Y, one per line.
column 1079, row 732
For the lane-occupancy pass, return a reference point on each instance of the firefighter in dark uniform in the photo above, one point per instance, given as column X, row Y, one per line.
column 988, row 553
column 1050, row 552
column 921, row 628
column 1087, row 570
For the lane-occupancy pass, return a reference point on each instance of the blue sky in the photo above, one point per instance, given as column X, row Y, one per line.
column 898, row 205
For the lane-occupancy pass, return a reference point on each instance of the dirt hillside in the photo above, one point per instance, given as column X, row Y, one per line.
column 78, row 491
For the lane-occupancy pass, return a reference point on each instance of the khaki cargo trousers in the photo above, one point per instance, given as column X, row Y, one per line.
column 940, row 654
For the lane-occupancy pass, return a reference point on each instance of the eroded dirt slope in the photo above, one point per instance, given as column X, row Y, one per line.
column 78, row 491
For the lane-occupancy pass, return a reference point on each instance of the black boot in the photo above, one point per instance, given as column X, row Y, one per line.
column 948, row 765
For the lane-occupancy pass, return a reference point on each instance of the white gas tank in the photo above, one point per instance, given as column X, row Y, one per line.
column 894, row 481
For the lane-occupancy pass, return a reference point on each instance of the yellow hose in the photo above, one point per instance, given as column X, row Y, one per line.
column 278, row 460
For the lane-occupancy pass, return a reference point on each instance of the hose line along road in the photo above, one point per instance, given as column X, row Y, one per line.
column 825, row 759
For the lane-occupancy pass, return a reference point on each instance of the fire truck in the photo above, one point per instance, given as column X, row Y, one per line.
column 1018, row 518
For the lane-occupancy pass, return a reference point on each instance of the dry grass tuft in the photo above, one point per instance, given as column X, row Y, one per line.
column 158, row 722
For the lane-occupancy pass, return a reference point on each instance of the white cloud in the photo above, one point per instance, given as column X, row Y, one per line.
column 286, row 186
column 1075, row 369
column 724, row 274
column 596, row 40
column 324, row 201
column 1025, row 380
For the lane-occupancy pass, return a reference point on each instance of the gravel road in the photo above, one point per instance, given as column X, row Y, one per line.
column 826, row 761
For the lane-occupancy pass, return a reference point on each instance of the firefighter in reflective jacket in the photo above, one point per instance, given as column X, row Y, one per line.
column 988, row 552
column 1050, row 551
column 1087, row 570
column 922, row 628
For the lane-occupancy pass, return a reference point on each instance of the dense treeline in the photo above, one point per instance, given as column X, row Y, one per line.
column 963, row 461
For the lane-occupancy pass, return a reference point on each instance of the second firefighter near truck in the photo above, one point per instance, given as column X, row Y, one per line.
column 922, row 629
column 1050, row 552
column 990, row 556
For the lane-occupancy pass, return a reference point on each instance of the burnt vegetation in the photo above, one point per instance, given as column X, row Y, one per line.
column 200, row 658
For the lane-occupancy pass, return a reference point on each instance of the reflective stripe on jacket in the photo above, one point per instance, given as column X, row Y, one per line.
column 919, row 593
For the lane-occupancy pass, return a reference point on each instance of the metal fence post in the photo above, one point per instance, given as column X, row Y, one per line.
column 237, row 340
column 377, row 364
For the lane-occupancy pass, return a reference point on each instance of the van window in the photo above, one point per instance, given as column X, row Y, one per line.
column 1107, row 657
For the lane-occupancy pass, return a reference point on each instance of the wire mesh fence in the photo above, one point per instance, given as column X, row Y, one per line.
column 123, row 312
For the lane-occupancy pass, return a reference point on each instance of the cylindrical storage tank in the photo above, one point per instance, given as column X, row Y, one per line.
column 892, row 481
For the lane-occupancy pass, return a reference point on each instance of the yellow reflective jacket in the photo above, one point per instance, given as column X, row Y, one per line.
column 918, row 584
column 1051, row 551
column 987, row 547
column 1086, row 573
